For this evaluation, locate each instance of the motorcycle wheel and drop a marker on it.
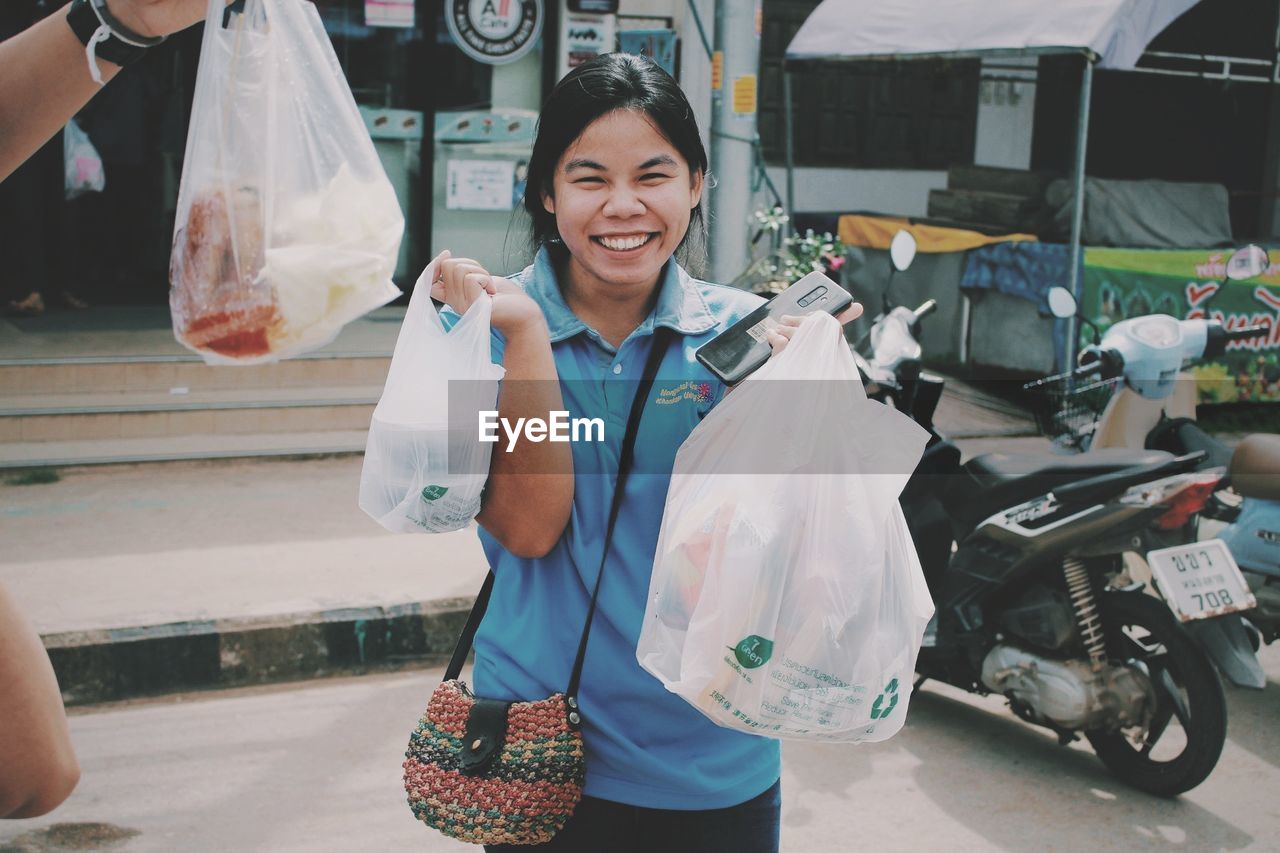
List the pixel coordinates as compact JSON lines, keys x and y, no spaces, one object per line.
{"x":1189,"y":724}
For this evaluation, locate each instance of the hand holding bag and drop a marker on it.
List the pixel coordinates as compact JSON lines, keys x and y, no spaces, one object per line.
{"x":493,"y":772}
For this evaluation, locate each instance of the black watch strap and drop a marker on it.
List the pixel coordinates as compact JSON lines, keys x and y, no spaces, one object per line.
{"x":88,"y":17}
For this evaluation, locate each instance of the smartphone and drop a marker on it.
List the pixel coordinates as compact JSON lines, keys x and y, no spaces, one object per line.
{"x":743,"y":348}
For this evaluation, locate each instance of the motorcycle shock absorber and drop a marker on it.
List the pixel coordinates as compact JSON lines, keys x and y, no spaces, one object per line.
{"x":1086,"y":607}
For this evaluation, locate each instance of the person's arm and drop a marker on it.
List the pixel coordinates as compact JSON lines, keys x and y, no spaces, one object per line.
{"x":38,"y":768}
{"x":529,"y":494}
{"x":44,"y":74}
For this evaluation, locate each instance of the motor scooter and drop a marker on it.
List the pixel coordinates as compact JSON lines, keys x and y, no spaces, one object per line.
{"x":1023,"y":555}
{"x":1129,"y":392}
{"x":892,"y":369}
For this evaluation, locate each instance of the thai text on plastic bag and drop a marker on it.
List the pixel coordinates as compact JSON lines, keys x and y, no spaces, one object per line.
{"x":287,"y":227}
{"x":786,"y":598}
{"x":83,"y":163}
{"x":419,"y":475}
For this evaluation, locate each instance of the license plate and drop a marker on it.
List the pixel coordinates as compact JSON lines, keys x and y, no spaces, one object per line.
{"x":1200,"y":580}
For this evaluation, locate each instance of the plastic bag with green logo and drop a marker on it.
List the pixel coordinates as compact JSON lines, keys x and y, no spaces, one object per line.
{"x":786,"y":598}
{"x":419,"y":475}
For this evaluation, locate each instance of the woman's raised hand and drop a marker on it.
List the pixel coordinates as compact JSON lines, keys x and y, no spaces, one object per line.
{"x":459,"y":282}
{"x":780,"y":335}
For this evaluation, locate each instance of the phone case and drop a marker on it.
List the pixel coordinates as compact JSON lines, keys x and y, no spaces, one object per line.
{"x":743,"y":348}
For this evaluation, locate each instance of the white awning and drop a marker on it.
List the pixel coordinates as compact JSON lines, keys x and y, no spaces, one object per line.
{"x":1116,"y":30}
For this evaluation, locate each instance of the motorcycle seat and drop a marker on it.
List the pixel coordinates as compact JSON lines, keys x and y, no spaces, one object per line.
{"x":992,"y":482}
{"x":1255,"y":467}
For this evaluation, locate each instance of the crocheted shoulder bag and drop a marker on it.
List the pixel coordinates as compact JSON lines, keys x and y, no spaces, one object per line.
{"x":494,"y":772}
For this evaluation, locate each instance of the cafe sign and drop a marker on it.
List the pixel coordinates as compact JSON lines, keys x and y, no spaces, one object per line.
{"x":494,"y":31}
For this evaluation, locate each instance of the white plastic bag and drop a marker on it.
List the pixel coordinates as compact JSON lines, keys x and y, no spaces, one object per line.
{"x":287,"y":227}
{"x":419,"y":475}
{"x":84,"y":172}
{"x":786,"y":598}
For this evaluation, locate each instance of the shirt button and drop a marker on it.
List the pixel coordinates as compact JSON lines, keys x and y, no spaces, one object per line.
{"x":617,"y":368}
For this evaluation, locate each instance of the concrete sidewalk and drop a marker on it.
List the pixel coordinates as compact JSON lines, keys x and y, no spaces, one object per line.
{"x":169,"y":576}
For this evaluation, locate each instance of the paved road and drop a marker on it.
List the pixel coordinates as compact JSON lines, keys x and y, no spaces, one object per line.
{"x":315,"y":767}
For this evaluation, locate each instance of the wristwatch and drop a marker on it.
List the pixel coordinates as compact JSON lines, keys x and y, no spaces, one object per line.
{"x":101,"y":32}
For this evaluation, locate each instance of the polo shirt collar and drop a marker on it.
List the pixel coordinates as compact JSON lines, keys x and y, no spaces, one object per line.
{"x":681,"y":305}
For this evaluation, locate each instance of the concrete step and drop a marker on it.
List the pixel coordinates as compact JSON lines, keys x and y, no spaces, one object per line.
{"x":160,"y":374}
{"x":88,"y":417}
{"x":54,"y":454}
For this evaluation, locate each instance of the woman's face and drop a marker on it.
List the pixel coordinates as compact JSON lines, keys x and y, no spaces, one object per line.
{"x":622,"y":200}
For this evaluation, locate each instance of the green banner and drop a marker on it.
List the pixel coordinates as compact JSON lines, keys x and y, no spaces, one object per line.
{"x":1123,"y":283}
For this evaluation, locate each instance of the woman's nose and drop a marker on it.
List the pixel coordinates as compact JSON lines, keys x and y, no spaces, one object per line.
{"x":623,"y":202}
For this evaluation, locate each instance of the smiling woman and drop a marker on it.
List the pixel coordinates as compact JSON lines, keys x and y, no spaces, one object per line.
{"x":615,"y":186}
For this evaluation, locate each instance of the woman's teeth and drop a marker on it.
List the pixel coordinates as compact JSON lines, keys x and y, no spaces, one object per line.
{"x":621,"y":244}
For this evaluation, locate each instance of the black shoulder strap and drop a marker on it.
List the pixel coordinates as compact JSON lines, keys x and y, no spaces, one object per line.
{"x":658,"y":348}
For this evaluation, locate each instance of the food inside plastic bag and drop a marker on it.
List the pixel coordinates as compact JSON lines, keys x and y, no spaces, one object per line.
{"x":786,"y":602}
{"x":287,"y":226}
{"x":214,"y":272}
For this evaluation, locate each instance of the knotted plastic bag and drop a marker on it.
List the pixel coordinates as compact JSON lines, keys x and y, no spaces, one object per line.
{"x":287,"y":227}
{"x":786,"y":598}
{"x":424,"y":465}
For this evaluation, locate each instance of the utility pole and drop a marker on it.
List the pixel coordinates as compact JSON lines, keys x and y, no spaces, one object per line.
{"x":735,"y":66}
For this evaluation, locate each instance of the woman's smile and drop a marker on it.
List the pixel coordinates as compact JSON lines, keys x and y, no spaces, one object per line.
{"x":624,"y":243}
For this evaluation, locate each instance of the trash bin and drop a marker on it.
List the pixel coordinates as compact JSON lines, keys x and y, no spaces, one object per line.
{"x":477,"y":208}
{"x":397,"y":137}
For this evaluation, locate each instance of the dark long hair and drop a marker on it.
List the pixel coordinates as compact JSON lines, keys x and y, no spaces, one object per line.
{"x":613,"y":81}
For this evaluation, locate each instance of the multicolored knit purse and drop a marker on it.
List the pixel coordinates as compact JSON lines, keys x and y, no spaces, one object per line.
{"x":492,"y":772}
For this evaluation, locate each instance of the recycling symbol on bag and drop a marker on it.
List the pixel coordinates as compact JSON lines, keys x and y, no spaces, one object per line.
{"x":891,"y":693}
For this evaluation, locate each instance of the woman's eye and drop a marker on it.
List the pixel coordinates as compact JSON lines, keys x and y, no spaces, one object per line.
{"x":654,"y":176}
{"x":591,"y":179}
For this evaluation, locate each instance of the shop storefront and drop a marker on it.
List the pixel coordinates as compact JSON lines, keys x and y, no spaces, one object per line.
{"x":449,"y":90}
{"x":404,"y":66}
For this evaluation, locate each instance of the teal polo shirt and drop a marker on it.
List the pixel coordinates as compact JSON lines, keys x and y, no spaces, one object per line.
{"x":645,"y":746}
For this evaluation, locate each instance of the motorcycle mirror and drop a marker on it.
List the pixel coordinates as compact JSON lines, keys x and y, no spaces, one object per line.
{"x":902,"y":251}
{"x":1061,"y":303}
{"x":1248,"y":262}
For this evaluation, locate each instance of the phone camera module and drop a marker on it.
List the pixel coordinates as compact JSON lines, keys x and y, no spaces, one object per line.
{"x":812,"y":296}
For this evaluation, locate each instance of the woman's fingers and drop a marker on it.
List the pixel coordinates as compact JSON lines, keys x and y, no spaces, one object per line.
{"x":475,"y":283}
{"x":850,"y":314}
{"x":462,"y":280}
{"x":505,"y":285}
{"x":437,"y":283}
{"x":780,"y":334}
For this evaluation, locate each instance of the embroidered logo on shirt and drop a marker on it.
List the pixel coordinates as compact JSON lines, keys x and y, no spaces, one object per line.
{"x":698,"y":392}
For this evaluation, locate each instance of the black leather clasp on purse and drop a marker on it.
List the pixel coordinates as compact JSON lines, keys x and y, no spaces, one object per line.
{"x":485,"y":736}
